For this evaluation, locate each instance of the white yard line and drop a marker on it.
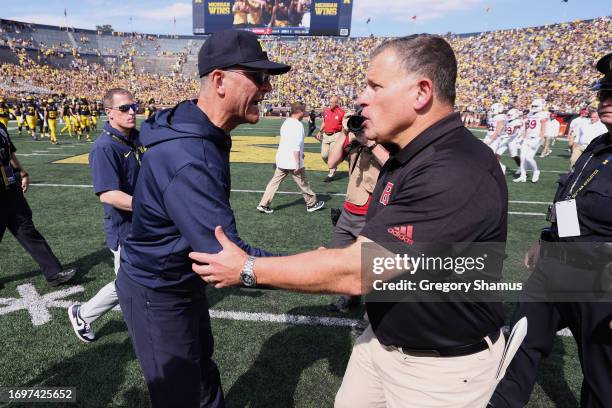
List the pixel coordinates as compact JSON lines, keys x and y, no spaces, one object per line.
{"x":290,"y":193}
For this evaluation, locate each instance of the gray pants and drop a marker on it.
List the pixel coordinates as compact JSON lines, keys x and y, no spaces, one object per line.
{"x":347,"y":229}
{"x":105,"y":299}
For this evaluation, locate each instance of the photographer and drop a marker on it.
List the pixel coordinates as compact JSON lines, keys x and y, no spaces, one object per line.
{"x":365,"y":158}
{"x":15,"y":214}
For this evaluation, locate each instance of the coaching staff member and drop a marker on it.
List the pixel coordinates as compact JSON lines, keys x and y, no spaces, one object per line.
{"x":590,"y":185}
{"x":181,"y":194}
{"x":16,"y":215}
{"x":442,"y":185}
{"x":114,"y":161}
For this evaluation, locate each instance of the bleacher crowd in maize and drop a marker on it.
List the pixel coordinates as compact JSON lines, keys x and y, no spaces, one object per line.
{"x":508,"y":66}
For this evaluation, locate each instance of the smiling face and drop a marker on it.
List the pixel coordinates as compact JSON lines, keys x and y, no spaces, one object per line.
{"x":389,"y":98}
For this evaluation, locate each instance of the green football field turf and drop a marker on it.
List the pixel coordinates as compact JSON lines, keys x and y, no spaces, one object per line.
{"x":269,"y":355}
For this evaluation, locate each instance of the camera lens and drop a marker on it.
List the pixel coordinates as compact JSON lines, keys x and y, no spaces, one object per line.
{"x":355,"y":123}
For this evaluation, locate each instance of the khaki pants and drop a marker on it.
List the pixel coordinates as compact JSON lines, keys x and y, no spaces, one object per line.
{"x":327,"y":142}
{"x":279,"y":175}
{"x":576,"y":153}
{"x":376,"y":377}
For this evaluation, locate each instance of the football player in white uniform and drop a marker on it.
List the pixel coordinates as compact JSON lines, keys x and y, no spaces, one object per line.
{"x":496,"y":122}
{"x":511,"y":140}
{"x":535,"y":126}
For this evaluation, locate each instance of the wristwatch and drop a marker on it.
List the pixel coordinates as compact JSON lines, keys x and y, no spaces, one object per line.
{"x":247,"y":276}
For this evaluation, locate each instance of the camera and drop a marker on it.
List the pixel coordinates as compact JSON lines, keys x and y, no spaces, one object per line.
{"x":355,"y":123}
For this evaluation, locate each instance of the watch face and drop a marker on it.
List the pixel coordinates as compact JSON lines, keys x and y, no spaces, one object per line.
{"x":247,"y":280}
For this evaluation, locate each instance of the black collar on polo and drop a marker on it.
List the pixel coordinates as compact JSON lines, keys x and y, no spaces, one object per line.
{"x":428,"y":136}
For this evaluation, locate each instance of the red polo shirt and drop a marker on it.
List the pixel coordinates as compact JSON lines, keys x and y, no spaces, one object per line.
{"x":332,"y":118}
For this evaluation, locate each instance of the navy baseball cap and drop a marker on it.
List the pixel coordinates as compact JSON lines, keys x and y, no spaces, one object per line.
{"x":604,"y":65}
{"x":228,"y":48}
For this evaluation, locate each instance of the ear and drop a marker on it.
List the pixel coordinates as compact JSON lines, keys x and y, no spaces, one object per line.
{"x":424,"y":93}
{"x":217,"y":80}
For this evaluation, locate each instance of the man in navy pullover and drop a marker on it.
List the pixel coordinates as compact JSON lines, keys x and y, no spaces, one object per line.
{"x":181,"y":194}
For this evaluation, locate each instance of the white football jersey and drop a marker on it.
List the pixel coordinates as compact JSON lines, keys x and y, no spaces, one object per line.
{"x":533,"y":124}
{"x":492,"y":123}
{"x":514,"y":128}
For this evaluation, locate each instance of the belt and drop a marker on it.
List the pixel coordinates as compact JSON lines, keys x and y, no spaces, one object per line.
{"x":455,"y":351}
{"x":573,"y":257}
{"x":329,"y":134}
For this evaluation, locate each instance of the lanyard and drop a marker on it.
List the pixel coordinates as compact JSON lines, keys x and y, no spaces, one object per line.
{"x":137,"y":150}
{"x":586,"y":182}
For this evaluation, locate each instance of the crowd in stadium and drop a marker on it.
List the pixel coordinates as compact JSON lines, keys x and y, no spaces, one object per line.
{"x":508,"y":66}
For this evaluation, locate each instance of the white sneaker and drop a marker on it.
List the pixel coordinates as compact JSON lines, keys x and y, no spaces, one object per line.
{"x":264,"y":209}
{"x":82,"y":329}
{"x":536,"y":176}
{"x":316,"y":206}
{"x":521,"y":179}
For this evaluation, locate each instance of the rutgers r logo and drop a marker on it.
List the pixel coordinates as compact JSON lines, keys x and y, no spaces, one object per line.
{"x":384,"y":197}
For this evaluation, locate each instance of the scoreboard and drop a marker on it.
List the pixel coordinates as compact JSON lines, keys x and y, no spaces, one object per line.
{"x":274,"y":17}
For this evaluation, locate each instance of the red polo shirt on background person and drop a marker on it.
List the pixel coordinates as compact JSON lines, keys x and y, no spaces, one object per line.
{"x":332,"y":119}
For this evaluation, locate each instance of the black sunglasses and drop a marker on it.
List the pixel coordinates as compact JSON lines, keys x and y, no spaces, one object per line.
{"x":259,"y":77}
{"x":126,"y":108}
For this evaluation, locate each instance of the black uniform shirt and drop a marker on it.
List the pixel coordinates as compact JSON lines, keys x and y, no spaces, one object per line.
{"x":444,"y":186}
{"x":594,"y":201}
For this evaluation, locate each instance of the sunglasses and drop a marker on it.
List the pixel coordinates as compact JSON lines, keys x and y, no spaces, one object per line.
{"x":126,"y":108}
{"x":259,"y":77}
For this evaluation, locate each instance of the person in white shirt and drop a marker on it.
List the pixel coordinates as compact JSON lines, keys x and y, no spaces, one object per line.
{"x":290,"y":160}
{"x":550,"y":134}
{"x":593,"y":128}
{"x":575,"y":133}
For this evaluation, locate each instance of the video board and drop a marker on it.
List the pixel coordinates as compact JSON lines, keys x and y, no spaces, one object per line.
{"x":274,"y":17}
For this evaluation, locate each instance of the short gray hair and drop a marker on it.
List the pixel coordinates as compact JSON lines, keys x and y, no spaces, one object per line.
{"x":428,"y":55}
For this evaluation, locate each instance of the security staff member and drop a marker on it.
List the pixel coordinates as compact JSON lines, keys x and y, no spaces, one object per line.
{"x":182,"y":192}
{"x":312,"y":118}
{"x":585,"y":194}
{"x":15,"y":214}
{"x":332,"y":129}
{"x":443,"y":185}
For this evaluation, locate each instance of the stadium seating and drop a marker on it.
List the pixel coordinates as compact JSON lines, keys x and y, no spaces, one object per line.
{"x":508,"y":66}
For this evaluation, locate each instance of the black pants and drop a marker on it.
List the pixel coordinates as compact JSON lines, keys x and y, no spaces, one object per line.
{"x":16,"y":215}
{"x":589,"y":323}
{"x":311,"y":128}
{"x":172,"y":338}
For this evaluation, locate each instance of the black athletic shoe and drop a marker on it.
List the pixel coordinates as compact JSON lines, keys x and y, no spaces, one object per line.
{"x":62,"y":277}
{"x":343,"y":304}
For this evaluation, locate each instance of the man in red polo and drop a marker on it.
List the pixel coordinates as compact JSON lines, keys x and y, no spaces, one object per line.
{"x":332,"y":129}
